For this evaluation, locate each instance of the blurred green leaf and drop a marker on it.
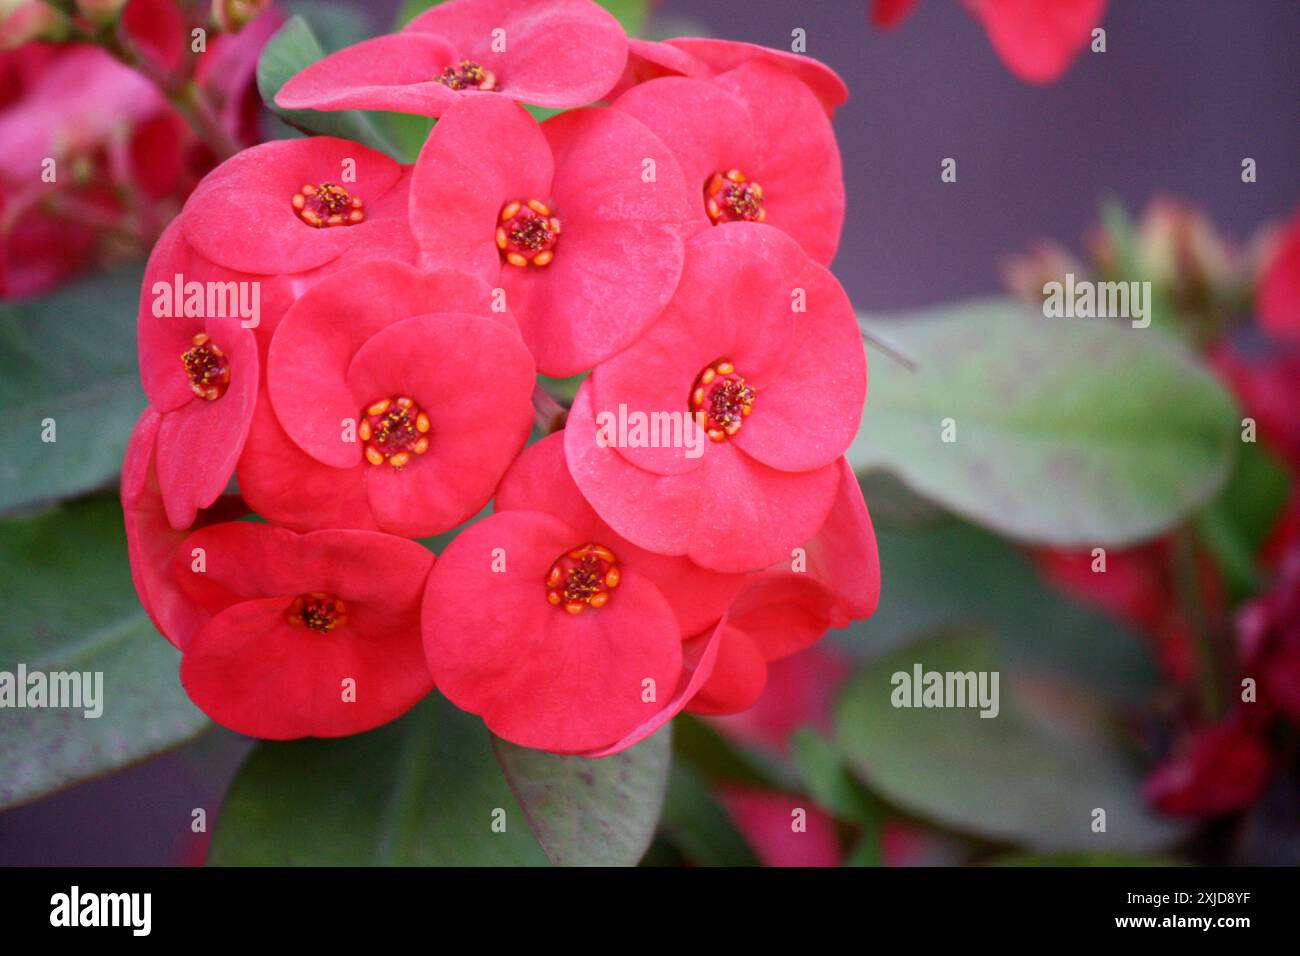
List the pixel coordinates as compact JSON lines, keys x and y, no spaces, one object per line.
{"x":591,"y":812}
{"x":421,"y":791}
{"x":957,"y":575}
{"x":69,"y":357}
{"x":826,"y":780}
{"x":1008,"y":778}
{"x":294,"y":47}
{"x":698,"y":826}
{"x":1069,"y":432}
{"x":1238,"y":522}
{"x":69,"y":606}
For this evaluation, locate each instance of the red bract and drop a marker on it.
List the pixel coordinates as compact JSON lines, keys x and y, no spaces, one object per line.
{"x":199,"y":367}
{"x":1279,"y":287}
{"x":296,"y":204}
{"x":782,"y":829}
{"x":560,"y":633}
{"x":787,"y":608}
{"x":770,"y":396}
{"x":704,"y":57}
{"x":755,"y":146}
{"x":397,"y":398}
{"x":314,"y":635}
{"x":1036,"y":39}
{"x":1269,"y":633}
{"x":561,"y":54}
{"x":1215,"y":770}
{"x":581,"y":220}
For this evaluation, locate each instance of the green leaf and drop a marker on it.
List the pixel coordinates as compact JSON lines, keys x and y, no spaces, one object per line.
{"x":69,"y":605}
{"x":958,"y":575}
{"x":1008,"y":778}
{"x":698,"y":826}
{"x":828,"y":783}
{"x":1238,"y":522}
{"x":1069,"y":432}
{"x":424,"y":790}
{"x":71,"y":358}
{"x":294,"y":47}
{"x":591,"y":812}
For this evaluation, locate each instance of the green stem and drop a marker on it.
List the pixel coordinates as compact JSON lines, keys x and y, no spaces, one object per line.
{"x":1207,"y":657}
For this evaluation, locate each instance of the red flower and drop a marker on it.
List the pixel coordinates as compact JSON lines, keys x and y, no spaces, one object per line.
{"x":755,"y":145}
{"x":779,"y":834}
{"x":800,"y":692}
{"x":296,"y":204}
{"x":731,"y":342}
{"x":561,"y":634}
{"x":561,"y":54}
{"x":1266,"y":380}
{"x":782,"y":611}
{"x":1036,"y":39}
{"x":397,"y":399}
{"x":200,"y":374}
{"x":1218,"y":769}
{"x":1279,"y":287}
{"x":704,"y":57}
{"x":581,"y":220}
{"x":314,"y":635}
{"x":1269,"y":631}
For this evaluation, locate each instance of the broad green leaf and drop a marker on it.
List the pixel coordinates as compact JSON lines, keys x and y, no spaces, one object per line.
{"x":69,"y":605}
{"x":1009,"y":778}
{"x":591,"y":812}
{"x":1238,"y":522}
{"x":698,"y":826}
{"x":294,"y":47}
{"x":68,"y":371}
{"x":424,"y":790}
{"x":825,"y":780}
{"x":955,"y":574}
{"x":1068,"y":432}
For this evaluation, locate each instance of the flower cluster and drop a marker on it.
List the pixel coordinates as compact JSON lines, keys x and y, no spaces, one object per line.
{"x":349,"y":348}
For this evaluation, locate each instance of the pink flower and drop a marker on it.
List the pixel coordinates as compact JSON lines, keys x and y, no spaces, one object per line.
{"x":297,"y":204}
{"x":1269,"y":632}
{"x":563,"y":53}
{"x":704,"y":57}
{"x":762,"y":343}
{"x":780,"y":834}
{"x":1215,"y":770}
{"x":314,"y":635}
{"x":395,"y":400}
{"x":560,"y":633}
{"x":755,"y":145}
{"x":581,"y":220}
{"x":1279,"y":287}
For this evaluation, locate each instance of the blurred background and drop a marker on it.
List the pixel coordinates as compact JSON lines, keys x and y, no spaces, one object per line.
{"x":1123,"y":686}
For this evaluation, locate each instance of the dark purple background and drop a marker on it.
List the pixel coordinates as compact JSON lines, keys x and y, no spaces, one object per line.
{"x":1183,"y":93}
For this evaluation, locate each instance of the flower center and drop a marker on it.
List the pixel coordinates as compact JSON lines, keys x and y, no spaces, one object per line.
{"x":318,"y":611}
{"x":327,"y":205}
{"x":582,"y":578}
{"x":207,"y":367}
{"x":724,"y":398}
{"x":393,"y":429}
{"x":467,"y":76}
{"x":527,"y":232}
{"x":733,"y":197}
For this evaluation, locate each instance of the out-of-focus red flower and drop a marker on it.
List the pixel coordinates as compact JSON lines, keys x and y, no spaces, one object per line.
{"x":1266,"y":381}
{"x":1036,"y":39}
{"x":800,"y":692}
{"x":156,"y":30}
{"x":314,"y":635}
{"x":1214,"y":770}
{"x":1278,"y":297}
{"x":1268,"y":630}
{"x":782,"y":829}
{"x":581,"y":220}
{"x":563,"y":53}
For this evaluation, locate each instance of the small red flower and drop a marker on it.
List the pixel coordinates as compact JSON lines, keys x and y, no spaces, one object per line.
{"x":755,"y":145}
{"x":296,"y":204}
{"x":560,"y":633}
{"x":1215,"y":770}
{"x":581,"y":220}
{"x":200,"y":370}
{"x":395,"y":400}
{"x":1269,"y":631}
{"x":770,"y":395}
{"x":561,"y":54}
{"x":314,"y":635}
{"x":705,"y":57}
{"x":1279,"y":288}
